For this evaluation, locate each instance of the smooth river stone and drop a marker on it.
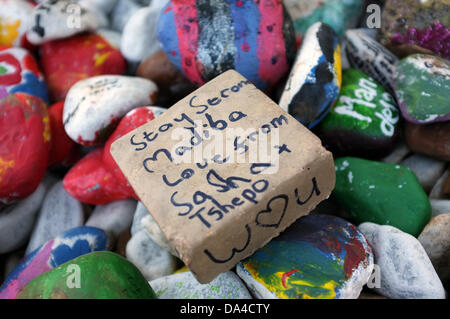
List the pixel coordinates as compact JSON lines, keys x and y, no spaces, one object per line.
{"x":435,"y":239}
{"x":103,"y":275}
{"x":59,"y":212}
{"x":405,"y":271}
{"x":69,"y":245}
{"x":422,"y":86}
{"x":59,"y":19}
{"x":94,"y":106}
{"x":184,"y":286}
{"x":442,"y":187}
{"x":427,"y":169}
{"x":139,"y":214}
{"x":19,"y":72}
{"x":206,"y":38}
{"x":15,"y":18}
{"x":17,"y":220}
{"x":363,"y":122}
{"x":154,"y":231}
{"x":25,"y":144}
{"x":315,"y":79}
{"x":318,"y":257}
{"x":369,"y":56}
{"x":439,"y":206}
{"x":382,"y":193}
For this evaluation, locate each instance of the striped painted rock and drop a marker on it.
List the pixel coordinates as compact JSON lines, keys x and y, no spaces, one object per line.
{"x":318,"y":257}
{"x":205,"y":38}
{"x":69,"y":245}
{"x":315,"y":79}
{"x":15,"y":18}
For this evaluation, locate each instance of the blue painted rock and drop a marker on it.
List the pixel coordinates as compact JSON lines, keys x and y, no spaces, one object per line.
{"x":19,"y":72}
{"x":315,"y":80}
{"x":205,"y":38}
{"x":69,"y":245}
{"x":363,"y":121}
{"x":422,"y":86}
{"x":15,"y":17}
{"x":319,"y":256}
{"x":369,"y":56}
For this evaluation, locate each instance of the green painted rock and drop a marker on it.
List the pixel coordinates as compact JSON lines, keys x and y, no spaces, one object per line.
{"x":363,"y":121}
{"x":381,"y":193}
{"x":422,"y":86}
{"x":102,"y":275}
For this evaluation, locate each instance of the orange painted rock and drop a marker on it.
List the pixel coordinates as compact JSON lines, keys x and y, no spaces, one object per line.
{"x":25,"y":143}
{"x":67,"y":61}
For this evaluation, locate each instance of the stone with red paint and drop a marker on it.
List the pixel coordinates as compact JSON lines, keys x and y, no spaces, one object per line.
{"x":66,"y":61}
{"x":25,"y":143}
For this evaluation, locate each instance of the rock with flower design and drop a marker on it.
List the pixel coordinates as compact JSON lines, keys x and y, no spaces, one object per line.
{"x":319,"y":256}
{"x":93,"y":107}
{"x":25,"y":143}
{"x":19,"y":72}
{"x":363,"y":122}
{"x":15,"y":18}
{"x":69,"y":245}
{"x":67,"y":61}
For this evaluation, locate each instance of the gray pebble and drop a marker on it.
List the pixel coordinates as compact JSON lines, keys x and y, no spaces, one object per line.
{"x":439,"y":206}
{"x":427,"y":169}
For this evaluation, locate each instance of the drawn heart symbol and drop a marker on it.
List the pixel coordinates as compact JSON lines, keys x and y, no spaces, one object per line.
{"x":269,"y":211}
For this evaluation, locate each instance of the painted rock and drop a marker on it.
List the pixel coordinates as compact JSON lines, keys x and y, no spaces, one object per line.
{"x":172,"y":84}
{"x":65,"y":62}
{"x":14,"y":22}
{"x":315,"y":79}
{"x":427,"y":170}
{"x":339,"y":15}
{"x":416,"y":26}
{"x":422,"y":83}
{"x":382,"y":193}
{"x":103,"y":275}
{"x":139,"y":37}
{"x":122,"y":12}
{"x":405,"y":271}
{"x":114,"y":217}
{"x":435,"y":239}
{"x":204,"y":39}
{"x":369,"y":56}
{"x":59,"y":19}
{"x":92,"y":182}
{"x":62,"y":146}
{"x":94,"y":106}
{"x":105,"y":6}
{"x":93,"y":9}
{"x":69,"y":245}
{"x":113,"y":37}
{"x":151,"y":259}
{"x":363,"y":122}
{"x":318,"y":257}
{"x":432,"y":140}
{"x":19,"y":72}
{"x":59,"y":213}
{"x":184,"y":286}
{"x":17,"y":220}
{"x":25,"y":143}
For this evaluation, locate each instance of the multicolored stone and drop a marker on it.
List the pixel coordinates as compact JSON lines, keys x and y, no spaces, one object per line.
{"x":318,"y":257}
{"x":25,"y":143}
{"x":205,"y":38}
{"x":315,"y":80}
{"x":15,"y":18}
{"x":103,"y":275}
{"x":381,"y":193}
{"x":363,"y":121}
{"x":69,"y":245}
{"x":422,"y":86}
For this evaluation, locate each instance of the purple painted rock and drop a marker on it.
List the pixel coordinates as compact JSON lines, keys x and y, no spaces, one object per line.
{"x":69,"y":245}
{"x":205,"y":38}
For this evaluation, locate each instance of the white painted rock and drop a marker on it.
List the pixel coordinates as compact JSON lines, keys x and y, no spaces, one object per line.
{"x":139,"y":38}
{"x":17,"y":220}
{"x":406,"y":272}
{"x":59,"y":212}
{"x":113,"y":37}
{"x":184,"y":286}
{"x":53,"y":20}
{"x":152,"y":227}
{"x":151,"y":259}
{"x":122,"y":12}
{"x":427,"y":169}
{"x":439,"y":206}
{"x":437,"y":190}
{"x":94,"y":106}
{"x":105,"y":6}
{"x":15,"y":18}
{"x":98,"y":12}
{"x":435,"y":238}
{"x":139,"y":213}
{"x":114,"y":217}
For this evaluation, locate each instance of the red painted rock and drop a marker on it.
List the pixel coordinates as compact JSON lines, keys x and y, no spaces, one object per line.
{"x":62,"y":145}
{"x":67,"y":61}
{"x":24,"y":145}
